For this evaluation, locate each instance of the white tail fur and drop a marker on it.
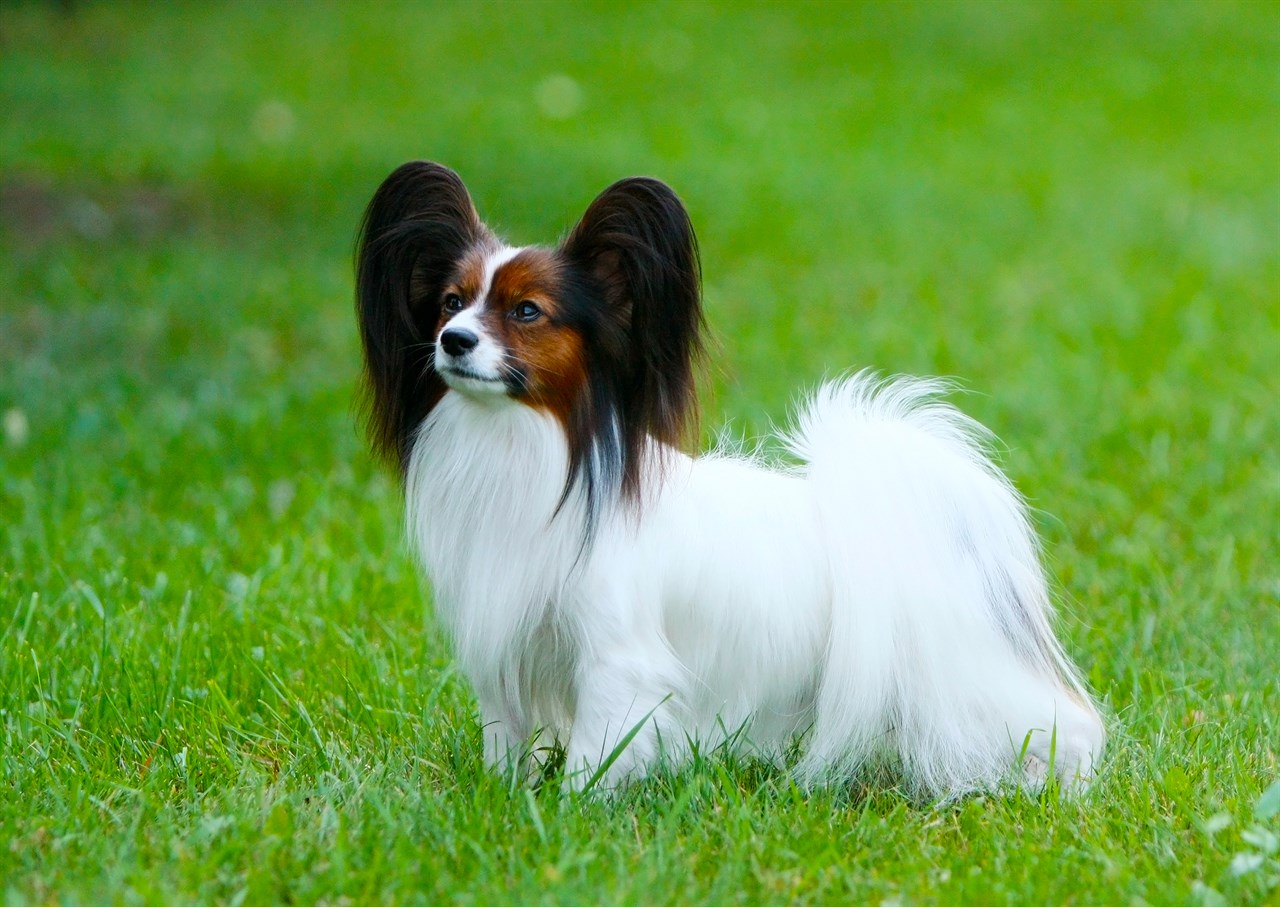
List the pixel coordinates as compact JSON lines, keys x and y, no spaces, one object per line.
{"x":941,"y":656}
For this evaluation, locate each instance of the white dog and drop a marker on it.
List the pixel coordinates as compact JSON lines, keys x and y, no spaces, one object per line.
{"x":882,"y":603}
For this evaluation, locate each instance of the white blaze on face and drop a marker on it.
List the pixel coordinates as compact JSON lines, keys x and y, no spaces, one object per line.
{"x":491,"y":265}
{"x":479,"y":369}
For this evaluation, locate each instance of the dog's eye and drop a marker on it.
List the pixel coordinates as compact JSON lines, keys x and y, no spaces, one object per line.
{"x":527,"y":311}
{"x":453,"y":303}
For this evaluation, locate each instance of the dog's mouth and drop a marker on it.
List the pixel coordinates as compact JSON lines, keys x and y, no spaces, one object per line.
{"x":456,"y":371}
{"x":461,"y":378}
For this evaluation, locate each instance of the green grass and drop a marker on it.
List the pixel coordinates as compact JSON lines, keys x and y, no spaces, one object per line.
{"x":219,"y":677}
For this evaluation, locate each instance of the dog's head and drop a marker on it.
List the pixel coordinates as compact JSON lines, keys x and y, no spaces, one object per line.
{"x":602,"y":331}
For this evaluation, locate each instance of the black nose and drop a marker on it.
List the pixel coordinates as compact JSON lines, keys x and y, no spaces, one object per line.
{"x":457,"y":341}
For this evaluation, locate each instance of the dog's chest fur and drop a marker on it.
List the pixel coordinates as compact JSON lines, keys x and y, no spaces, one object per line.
{"x":483,"y":487}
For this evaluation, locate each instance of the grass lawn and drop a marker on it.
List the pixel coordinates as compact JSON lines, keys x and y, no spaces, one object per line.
{"x":220,"y":680}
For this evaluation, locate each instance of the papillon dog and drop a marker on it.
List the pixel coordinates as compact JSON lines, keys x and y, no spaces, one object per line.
{"x":880,"y":604}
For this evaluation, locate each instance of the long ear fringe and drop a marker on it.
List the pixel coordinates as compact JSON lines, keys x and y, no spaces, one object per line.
{"x":419,"y":222}
{"x":638,"y":243}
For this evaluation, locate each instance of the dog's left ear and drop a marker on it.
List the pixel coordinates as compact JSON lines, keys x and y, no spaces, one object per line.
{"x":638,"y":243}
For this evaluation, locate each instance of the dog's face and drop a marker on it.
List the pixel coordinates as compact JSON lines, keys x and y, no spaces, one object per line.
{"x":508,"y":330}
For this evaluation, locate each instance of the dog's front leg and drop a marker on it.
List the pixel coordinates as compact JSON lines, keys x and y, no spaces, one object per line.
{"x":627,"y":718}
{"x":504,"y":740}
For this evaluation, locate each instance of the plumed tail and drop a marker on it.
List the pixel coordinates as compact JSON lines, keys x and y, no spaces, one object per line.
{"x":942,"y":656}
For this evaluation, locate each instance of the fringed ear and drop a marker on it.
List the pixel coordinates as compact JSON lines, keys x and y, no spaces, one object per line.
{"x":419,"y":223}
{"x":636,"y":241}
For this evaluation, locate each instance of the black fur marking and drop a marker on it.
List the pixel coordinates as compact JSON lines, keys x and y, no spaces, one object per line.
{"x":634,"y":256}
{"x":419,"y":223}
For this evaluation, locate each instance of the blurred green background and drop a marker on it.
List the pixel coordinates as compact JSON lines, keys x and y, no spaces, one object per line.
{"x":209,"y":622}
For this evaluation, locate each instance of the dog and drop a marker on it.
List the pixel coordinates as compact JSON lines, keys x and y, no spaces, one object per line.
{"x":882,"y":605}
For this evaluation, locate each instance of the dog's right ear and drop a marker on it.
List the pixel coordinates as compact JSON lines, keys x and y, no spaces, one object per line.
{"x":419,"y":224}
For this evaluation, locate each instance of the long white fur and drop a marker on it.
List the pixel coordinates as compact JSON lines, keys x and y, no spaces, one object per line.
{"x":884,"y":601}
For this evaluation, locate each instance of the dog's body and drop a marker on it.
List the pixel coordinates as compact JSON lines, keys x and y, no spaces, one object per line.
{"x":882,"y":602}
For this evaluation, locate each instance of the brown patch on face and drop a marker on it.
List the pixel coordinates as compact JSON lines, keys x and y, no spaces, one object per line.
{"x":547,"y":352}
{"x":466,"y":282}
{"x":470,"y":281}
